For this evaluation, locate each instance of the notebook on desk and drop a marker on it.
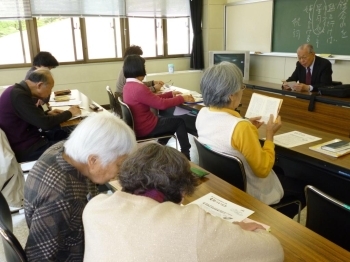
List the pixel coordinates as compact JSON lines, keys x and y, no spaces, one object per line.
{"x":318,"y":148}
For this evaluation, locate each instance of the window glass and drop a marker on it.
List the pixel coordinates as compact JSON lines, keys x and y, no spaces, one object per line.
{"x":179,"y":35}
{"x":142,"y":33}
{"x":103,"y":37}
{"x":61,"y":37}
{"x":14,"y":47}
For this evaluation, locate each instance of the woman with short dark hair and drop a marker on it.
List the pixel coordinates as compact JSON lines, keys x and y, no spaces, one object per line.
{"x":43,"y":60}
{"x":140,"y":100}
{"x":145,"y":221}
{"x":153,"y":85}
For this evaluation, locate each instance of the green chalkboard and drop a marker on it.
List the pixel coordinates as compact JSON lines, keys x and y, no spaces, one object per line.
{"x":323,"y":23}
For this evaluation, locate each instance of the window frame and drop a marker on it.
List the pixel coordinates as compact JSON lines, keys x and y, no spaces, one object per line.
{"x":34,"y":46}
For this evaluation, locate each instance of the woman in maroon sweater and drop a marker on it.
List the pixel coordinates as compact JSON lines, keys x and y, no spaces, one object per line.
{"x":140,"y":100}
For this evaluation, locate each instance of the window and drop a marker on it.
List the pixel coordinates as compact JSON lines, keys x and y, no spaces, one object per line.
{"x":103,"y":37}
{"x":61,"y":37}
{"x":179,"y":36}
{"x":142,"y":32}
{"x":14,"y":44}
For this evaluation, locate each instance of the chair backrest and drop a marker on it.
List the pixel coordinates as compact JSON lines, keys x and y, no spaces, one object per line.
{"x":227,"y":167}
{"x":113,"y":102}
{"x":328,"y":217}
{"x":126,"y":113}
{"x":11,"y":175}
{"x":13,"y":249}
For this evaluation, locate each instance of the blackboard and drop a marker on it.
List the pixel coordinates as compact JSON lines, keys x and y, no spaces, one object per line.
{"x":323,"y":23}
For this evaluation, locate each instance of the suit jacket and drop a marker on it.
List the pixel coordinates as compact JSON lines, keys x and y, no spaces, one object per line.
{"x":321,"y":73}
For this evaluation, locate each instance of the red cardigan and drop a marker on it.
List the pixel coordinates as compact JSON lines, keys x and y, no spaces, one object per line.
{"x":140,"y":99}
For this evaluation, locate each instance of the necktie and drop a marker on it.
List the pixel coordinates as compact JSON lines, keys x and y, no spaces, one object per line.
{"x":308,"y":77}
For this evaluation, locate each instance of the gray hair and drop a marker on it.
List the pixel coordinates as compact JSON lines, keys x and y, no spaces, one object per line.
{"x":103,"y":135}
{"x":309,"y":47}
{"x":163,"y":168}
{"x":219,"y":82}
{"x":40,"y":75}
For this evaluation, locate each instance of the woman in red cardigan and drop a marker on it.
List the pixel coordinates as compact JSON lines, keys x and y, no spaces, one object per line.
{"x":140,"y":100}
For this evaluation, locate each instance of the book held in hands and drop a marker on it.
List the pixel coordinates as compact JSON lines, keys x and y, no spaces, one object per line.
{"x":264,"y":106}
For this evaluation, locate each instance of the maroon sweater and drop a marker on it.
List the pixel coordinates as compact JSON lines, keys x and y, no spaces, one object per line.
{"x":20,"y":118}
{"x":140,"y":100}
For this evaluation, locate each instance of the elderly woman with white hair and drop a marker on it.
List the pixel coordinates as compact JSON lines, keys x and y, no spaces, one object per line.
{"x":145,"y":221}
{"x":222,"y":88}
{"x":64,"y":179}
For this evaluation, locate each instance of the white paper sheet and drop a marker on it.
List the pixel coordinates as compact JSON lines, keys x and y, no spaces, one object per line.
{"x":294,"y":138}
{"x":179,"y":111}
{"x":220,"y":207}
{"x":66,"y":103}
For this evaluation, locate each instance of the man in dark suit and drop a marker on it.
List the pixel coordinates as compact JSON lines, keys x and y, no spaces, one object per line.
{"x":311,"y":71}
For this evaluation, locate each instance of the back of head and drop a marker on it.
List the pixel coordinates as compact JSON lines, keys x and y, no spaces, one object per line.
{"x":134,"y":66}
{"x":45,"y":59}
{"x":219,"y":82}
{"x":158,"y":167}
{"x":103,"y":135}
{"x":133,"y":50}
{"x":40,"y":75}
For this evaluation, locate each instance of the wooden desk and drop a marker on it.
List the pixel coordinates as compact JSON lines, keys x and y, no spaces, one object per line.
{"x":85,"y":102}
{"x":276,"y":88}
{"x":332,"y":175}
{"x":299,"y":243}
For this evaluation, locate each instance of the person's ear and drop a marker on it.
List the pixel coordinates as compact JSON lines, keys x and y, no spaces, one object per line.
{"x":40,"y":86}
{"x":92,"y":161}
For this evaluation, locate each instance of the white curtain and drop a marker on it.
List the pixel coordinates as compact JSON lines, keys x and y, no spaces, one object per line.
{"x":121,"y":8}
{"x":158,"y":8}
{"x":15,"y":9}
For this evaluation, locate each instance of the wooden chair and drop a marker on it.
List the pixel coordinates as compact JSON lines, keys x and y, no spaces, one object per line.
{"x":129,"y":120}
{"x":12,"y":247}
{"x":328,"y":216}
{"x":231,"y":169}
{"x":113,"y":102}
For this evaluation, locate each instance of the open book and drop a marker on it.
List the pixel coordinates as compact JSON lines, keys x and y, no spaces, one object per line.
{"x":261,"y":105}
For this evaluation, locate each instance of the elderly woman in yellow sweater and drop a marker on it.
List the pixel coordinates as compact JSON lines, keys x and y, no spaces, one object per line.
{"x":222,"y":88}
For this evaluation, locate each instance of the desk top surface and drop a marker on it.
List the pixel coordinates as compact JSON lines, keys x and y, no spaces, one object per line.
{"x":299,"y":243}
{"x":85,"y":103}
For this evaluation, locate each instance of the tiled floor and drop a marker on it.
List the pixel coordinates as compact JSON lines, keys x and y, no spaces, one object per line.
{"x":20,"y":226}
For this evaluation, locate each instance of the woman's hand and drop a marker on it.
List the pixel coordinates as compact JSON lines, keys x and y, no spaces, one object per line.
{"x":272,"y":127}
{"x":251,"y":226}
{"x":175,"y":93}
{"x":188,"y":98}
{"x":255,"y":121}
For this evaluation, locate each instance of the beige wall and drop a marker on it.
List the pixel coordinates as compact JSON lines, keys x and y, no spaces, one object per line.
{"x":92,"y":79}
